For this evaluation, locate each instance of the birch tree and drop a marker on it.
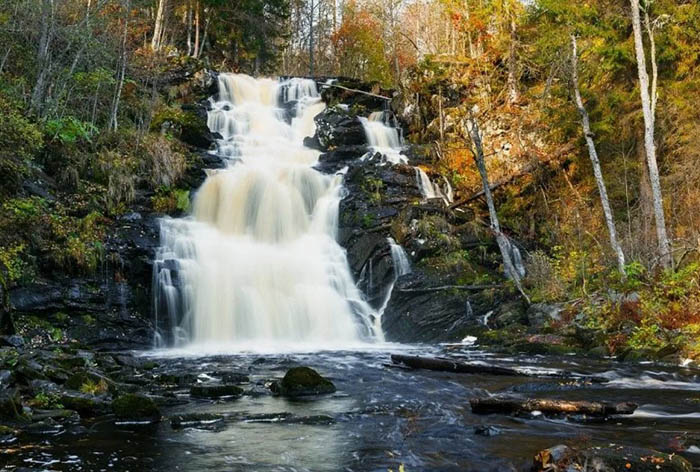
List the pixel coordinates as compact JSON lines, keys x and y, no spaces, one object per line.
{"x":649,"y":144}
{"x":595,"y":162}
{"x":504,"y":244}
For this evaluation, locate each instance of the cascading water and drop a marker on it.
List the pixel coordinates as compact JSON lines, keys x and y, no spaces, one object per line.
{"x":382,"y":138}
{"x":401,"y":267}
{"x":257,"y":263}
{"x":386,"y":140}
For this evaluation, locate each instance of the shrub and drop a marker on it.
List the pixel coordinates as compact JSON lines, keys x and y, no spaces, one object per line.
{"x":164,"y":162}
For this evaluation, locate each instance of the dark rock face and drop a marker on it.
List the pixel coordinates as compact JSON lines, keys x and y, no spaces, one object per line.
{"x":385,"y":201}
{"x":336,"y":127}
{"x":302,"y":381}
{"x":418,"y":312}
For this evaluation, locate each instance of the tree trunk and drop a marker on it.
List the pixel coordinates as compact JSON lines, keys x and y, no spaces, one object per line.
{"x":204,"y":36}
{"x":513,"y":94}
{"x":595,"y":162}
{"x":158,"y":27}
{"x":311,"y":40}
{"x":503,"y":244}
{"x":188,"y":19}
{"x":446,"y":365}
{"x":649,"y":144}
{"x":195,"y":52}
{"x":113,"y":122}
{"x":43,"y":55}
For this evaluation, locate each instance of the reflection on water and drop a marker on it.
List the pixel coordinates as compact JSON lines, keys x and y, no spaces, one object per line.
{"x":381,"y":417}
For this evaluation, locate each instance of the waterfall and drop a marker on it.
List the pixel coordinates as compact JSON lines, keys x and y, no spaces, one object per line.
{"x":257,"y":262}
{"x":431,"y":190}
{"x":401,"y":265}
{"x":383,"y":138}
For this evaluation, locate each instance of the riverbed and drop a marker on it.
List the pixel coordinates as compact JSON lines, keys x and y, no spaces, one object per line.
{"x":381,"y":417}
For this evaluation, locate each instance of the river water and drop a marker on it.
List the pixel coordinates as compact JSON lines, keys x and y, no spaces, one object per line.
{"x":380,"y":417}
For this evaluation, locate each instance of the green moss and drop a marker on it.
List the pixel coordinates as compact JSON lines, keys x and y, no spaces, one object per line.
{"x":302,"y":381}
{"x":134,"y":406}
{"x":47,"y":401}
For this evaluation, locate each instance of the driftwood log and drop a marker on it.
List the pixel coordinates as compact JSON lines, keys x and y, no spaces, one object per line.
{"x":484,"y":406}
{"x":445,"y":365}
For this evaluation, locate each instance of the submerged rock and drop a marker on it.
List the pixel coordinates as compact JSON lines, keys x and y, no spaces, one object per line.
{"x":302,"y":381}
{"x":135,"y":407}
{"x":195,"y":420}
{"x":215,"y":391}
{"x":609,"y":459}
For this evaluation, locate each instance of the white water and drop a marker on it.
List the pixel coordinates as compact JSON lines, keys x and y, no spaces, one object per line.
{"x":382,"y":138}
{"x":385,"y":139}
{"x":401,"y":267}
{"x":257,"y":264}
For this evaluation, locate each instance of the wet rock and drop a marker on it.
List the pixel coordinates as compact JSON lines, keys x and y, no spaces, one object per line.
{"x":11,"y":406}
{"x":90,"y":380}
{"x":337,"y":127}
{"x":85,"y":404}
{"x":60,"y":415}
{"x":302,"y":381}
{"x":135,"y":407}
{"x":7,"y":435}
{"x":43,"y":386}
{"x":5,"y":379}
{"x":418,"y":313}
{"x":178,"y":379}
{"x":215,"y":391}
{"x":12,"y":341}
{"x":486,"y":430}
{"x":541,"y":315}
{"x":232,"y":377}
{"x":195,"y":420}
{"x":609,"y":459}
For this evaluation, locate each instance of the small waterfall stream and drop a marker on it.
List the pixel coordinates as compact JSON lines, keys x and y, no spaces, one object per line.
{"x":257,"y":263}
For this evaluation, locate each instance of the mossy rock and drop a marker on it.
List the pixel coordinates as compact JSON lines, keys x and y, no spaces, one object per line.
{"x":86,"y":405}
{"x":303,"y":381}
{"x":90,"y":382}
{"x":11,"y":406}
{"x":135,"y":407}
{"x":215,"y":391}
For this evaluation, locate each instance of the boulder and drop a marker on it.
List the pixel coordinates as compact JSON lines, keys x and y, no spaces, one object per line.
{"x":337,"y":127}
{"x":85,"y":404}
{"x":135,"y":407}
{"x":541,"y":315}
{"x":11,"y":406}
{"x":611,"y":458}
{"x":302,"y":381}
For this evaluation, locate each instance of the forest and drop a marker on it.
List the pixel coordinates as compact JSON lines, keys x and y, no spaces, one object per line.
{"x":562,"y":140}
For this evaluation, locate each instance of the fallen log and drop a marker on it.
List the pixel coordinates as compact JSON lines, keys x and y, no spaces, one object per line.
{"x":485,"y":406}
{"x":445,"y":365}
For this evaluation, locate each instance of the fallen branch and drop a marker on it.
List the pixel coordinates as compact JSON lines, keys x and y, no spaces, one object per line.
{"x":358,"y":91}
{"x":449,"y":287}
{"x":445,"y":365}
{"x":484,"y":406}
{"x":528,"y":168}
